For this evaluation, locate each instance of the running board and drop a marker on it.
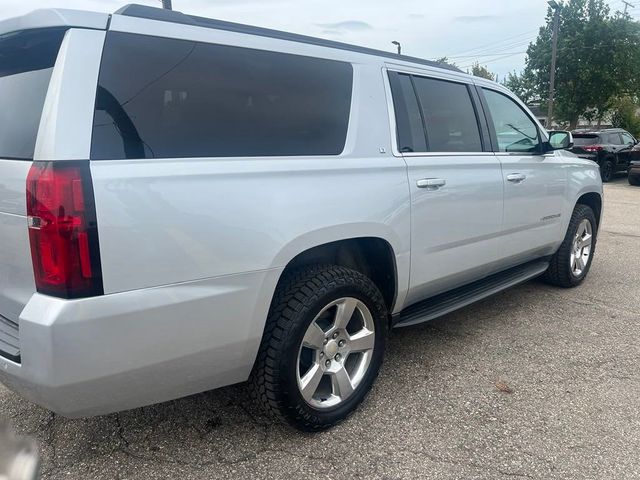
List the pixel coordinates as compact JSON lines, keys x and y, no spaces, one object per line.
{"x":448,"y":302}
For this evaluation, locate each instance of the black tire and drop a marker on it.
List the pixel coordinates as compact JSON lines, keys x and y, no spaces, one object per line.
{"x":634,"y":180}
{"x":560,"y":272}
{"x":300,"y":296}
{"x":607,"y":170}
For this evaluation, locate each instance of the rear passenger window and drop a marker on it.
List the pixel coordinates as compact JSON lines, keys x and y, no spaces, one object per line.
{"x":165,"y":98}
{"x":449,"y":116}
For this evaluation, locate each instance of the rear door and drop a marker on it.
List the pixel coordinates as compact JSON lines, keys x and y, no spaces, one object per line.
{"x":26,"y":64}
{"x":534,"y":183}
{"x":455,"y":185}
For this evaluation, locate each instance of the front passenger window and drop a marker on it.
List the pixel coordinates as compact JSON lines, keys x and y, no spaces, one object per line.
{"x":614,"y":139}
{"x":515,"y":130}
{"x":627,"y":139}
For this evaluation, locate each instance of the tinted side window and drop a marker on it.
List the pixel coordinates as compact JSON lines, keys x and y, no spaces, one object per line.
{"x":410,"y":128}
{"x":163,"y":98}
{"x":515,"y":130}
{"x":627,"y":139}
{"x":449,"y":116}
{"x":614,"y":139}
{"x":26,"y":63}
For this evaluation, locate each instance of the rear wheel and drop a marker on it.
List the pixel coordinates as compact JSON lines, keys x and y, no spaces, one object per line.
{"x":571,"y":263}
{"x":607,"y":170}
{"x":323,"y":347}
{"x":634,"y":180}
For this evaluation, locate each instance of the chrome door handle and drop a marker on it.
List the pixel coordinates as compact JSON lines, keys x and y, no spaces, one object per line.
{"x":516,"y":178}
{"x":431,"y":183}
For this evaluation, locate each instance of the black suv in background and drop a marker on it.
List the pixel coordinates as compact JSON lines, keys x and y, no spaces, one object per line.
{"x":612,"y":149}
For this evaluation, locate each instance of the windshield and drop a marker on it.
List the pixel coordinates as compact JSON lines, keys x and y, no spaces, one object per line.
{"x":26,"y":63}
{"x":585,"y":140}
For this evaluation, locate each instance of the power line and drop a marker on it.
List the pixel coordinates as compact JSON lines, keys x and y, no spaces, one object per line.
{"x":492,"y":54}
{"x":493,"y":44}
{"x":511,"y":54}
{"x":496,"y":50}
{"x":486,"y":62}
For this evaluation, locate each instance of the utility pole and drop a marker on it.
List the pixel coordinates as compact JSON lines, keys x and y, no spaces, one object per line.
{"x":167,"y":4}
{"x":627,"y":5}
{"x":397,"y":44}
{"x":554,"y":54}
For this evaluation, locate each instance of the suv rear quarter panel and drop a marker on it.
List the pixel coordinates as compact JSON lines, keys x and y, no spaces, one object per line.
{"x":165,"y":221}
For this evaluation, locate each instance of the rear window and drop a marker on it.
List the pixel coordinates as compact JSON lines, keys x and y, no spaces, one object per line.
{"x":26,"y":62}
{"x":449,"y":116}
{"x":433,"y":115}
{"x":584,"y":140}
{"x":166,"y":98}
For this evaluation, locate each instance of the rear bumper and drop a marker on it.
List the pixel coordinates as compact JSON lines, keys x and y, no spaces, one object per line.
{"x":116,"y":352}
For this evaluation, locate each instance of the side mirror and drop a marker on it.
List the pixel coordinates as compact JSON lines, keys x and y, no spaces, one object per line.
{"x":560,"y":140}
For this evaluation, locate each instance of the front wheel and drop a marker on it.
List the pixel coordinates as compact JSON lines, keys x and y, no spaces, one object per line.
{"x":634,"y":180}
{"x":322,"y":348}
{"x":571,"y":263}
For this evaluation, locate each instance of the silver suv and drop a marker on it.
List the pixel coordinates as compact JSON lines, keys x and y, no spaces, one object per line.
{"x":188,"y":203}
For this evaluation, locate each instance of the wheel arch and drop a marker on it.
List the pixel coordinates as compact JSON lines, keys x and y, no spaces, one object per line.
{"x":592,"y":200}
{"x":372,"y":256}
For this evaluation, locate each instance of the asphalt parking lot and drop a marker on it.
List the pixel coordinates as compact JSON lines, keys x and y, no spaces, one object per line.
{"x":536,"y":382}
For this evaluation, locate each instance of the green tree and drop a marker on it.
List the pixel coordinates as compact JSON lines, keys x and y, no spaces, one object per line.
{"x":625,"y":115}
{"x":482,"y":71}
{"x":598,"y":56}
{"x":446,"y":61}
{"x":523,"y":85}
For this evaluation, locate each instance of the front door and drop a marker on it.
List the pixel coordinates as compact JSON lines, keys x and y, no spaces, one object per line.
{"x":626,"y":152}
{"x":534,"y":183}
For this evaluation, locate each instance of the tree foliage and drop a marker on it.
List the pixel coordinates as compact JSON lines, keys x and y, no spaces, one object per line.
{"x":446,"y":61}
{"x":625,"y":115}
{"x":482,"y":71}
{"x":598,"y":60}
{"x":523,"y":85}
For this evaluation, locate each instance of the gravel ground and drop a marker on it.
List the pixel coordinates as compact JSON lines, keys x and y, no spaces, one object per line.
{"x":536,"y":382}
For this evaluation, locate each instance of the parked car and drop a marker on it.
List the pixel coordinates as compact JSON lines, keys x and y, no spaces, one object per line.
{"x":188,"y":203}
{"x":610,"y":148}
{"x":634,"y":173}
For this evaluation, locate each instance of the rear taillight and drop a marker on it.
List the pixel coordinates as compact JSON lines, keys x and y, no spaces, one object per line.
{"x":593,"y":148}
{"x":62,"y":229}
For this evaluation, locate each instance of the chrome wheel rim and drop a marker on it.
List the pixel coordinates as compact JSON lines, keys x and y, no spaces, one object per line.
{"x":582,"y":247}
{"x":335,"y":353}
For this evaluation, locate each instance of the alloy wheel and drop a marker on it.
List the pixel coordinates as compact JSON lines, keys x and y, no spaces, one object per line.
{"x":582,"y":248}
{"x":335,"y":353}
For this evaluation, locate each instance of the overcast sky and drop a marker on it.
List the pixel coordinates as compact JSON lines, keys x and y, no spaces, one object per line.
{"x":495,"y":32}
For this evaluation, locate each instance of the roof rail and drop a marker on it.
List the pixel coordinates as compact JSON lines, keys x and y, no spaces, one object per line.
{"x":152,"y":13}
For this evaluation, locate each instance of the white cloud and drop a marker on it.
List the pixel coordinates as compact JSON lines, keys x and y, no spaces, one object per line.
{"x":425,"y":29}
